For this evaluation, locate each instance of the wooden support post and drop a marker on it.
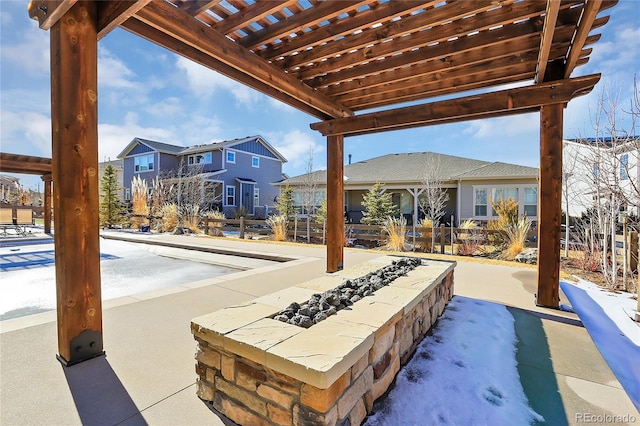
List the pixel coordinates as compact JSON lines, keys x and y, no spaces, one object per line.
{"x":443,"y":238}
{"x":242,"y":227}
{"x":550,"y":208}
{"x":74,"y":121}
{"x":633,"y":251}
{"x":335,"y":203}
{"x":47,"y":203}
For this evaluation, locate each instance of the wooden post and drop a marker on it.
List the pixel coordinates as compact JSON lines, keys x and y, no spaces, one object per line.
{"x":335,"y":203}
{"x":443,"y":238}
{"x":633,"y":251}
{"x":47,"y":203}
{"x":550,"y":209}
{"x":242,"y":227}
{"x":74,"y":121}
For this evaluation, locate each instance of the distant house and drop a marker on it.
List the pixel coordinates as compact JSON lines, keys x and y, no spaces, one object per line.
{"x":118,"y":166}
{"x":471,"y":185}
{"x":235,"y":174}
{"x":593,"y":167}
{"x":9,"y":188}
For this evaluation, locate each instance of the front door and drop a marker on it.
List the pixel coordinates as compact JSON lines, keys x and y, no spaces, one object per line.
{"x":246,"y":196}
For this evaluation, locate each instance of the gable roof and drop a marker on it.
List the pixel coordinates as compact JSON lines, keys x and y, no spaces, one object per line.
{"x":162,"y":147}
{"x":166,"y":148}
{"x":231,"y":143}
{"x":410,"y":167}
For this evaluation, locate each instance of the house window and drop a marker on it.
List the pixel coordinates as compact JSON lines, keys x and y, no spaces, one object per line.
{"x":255,"y":161}
{"x":143,"y":163}
{"x":480,"y":202}
{"x":503,"y":194}
{"x":231,"y":196}
{"x":256,"y":196}
{"x":204,"y":158}
{"x":624,"y":163}
{"x":231,"y":157}
{"x":531,"y":202}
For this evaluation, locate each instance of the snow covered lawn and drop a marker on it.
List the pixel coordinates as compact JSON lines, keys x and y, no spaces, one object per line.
{"x":465,"y":373}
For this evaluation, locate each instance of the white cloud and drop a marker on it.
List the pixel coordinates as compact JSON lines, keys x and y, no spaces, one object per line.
{"x":499,"y":128}
{"x":204,"y":82}
{"x":114,"y":138}
{"x":31,"y":53}
{"x":169,"y":107}
{"x":114,"y":73}
{"x":26,"y":133}
{"x":295,"y":146}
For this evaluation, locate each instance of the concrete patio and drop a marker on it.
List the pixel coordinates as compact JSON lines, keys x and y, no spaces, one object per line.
{"x":148,"y":374}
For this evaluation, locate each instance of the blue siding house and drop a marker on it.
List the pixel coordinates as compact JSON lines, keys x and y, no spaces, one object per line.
{"x":236,"y":174}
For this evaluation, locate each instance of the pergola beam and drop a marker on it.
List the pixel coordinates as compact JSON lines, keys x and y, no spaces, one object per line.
{"x":49,"y":12}
{"x":113,"y":13}
{"x":16,"y":163}
{"x":152,"y":34}
{"x":546,"y":40}
{"x":585,"y":23}
{"x":494,"y":104}
{"x":181,"y":26}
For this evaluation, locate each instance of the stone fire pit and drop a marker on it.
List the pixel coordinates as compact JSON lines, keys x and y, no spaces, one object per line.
{"x":256,"y":369}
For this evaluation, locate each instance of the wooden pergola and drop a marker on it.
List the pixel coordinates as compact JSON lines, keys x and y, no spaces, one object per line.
{"x":30,"y":165}
{"x":332,"y":60}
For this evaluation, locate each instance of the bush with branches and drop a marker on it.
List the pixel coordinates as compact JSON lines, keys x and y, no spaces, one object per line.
{"x":378,"y":206}
{"x":396,"y":230}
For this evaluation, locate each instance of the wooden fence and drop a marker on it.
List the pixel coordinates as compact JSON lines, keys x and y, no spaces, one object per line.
{"x":354,"y":232}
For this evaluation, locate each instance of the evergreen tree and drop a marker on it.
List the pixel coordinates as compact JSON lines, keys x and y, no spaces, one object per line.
{"x":285,"y":203}
{"x":111,"y":209}
{"x":378,"y":206}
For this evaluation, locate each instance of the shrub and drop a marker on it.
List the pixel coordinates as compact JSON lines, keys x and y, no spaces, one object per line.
{"x":425,"y":228}
{"x":278,"y":225}
{"x":285,"y":203}
{"x":507,"y":214}
{"x":396,"y":229}
{"x":169,"y":217}
{"x":189,"y":216}
{"x":139,"y":202}
{"x":516,"y":237}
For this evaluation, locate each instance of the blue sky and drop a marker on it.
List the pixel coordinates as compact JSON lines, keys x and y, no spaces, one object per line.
{"x":146,"y":91}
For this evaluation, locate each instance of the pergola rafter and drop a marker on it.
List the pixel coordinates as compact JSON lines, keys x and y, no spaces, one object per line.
{"x":334,"y":60}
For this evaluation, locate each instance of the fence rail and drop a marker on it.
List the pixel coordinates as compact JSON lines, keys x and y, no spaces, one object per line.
{"x":296,"y":229}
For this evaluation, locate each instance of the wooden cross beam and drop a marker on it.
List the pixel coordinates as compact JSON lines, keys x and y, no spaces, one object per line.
{"x":494,"y":104}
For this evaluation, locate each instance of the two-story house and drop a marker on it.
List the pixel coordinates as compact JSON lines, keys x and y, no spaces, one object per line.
{"x":599,"y":167}
{"x":235,"y":174}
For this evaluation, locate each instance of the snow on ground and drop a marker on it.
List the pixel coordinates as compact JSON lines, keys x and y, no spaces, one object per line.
{"x":619,"y":307}
{"x":463,"y":374}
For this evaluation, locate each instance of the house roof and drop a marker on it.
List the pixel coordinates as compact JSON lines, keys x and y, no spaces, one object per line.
{"x":231,"y":143}
{"x":181,"y":150}
{"x":411,"y":167}
{"x":162,"y":147}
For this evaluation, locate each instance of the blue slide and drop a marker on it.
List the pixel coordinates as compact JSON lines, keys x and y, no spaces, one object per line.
{"x":622,"y":354}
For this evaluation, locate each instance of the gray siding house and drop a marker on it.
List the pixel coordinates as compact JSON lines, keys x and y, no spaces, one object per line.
{"x":236,"y":174}
{"x":471,"y":184}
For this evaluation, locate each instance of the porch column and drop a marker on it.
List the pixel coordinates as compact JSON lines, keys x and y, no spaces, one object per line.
{"x":335,"y":203}
{"x":47,"y":203}
{"x":74,"y":115}
{"x":550,"y":208}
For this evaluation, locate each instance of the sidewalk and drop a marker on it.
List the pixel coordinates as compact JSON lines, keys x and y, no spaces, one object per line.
{"x":148,"y":374}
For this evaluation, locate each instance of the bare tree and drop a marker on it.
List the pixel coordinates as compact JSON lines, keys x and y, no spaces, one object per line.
{"x":434,"y":197}
{"x":610,"y":159}
{"x":309,"y":192}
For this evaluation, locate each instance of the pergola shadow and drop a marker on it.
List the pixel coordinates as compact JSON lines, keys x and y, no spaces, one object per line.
{"x":99,"y":395}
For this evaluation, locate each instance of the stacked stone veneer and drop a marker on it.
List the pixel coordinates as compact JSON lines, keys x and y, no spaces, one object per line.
{"x":257,"y":370}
